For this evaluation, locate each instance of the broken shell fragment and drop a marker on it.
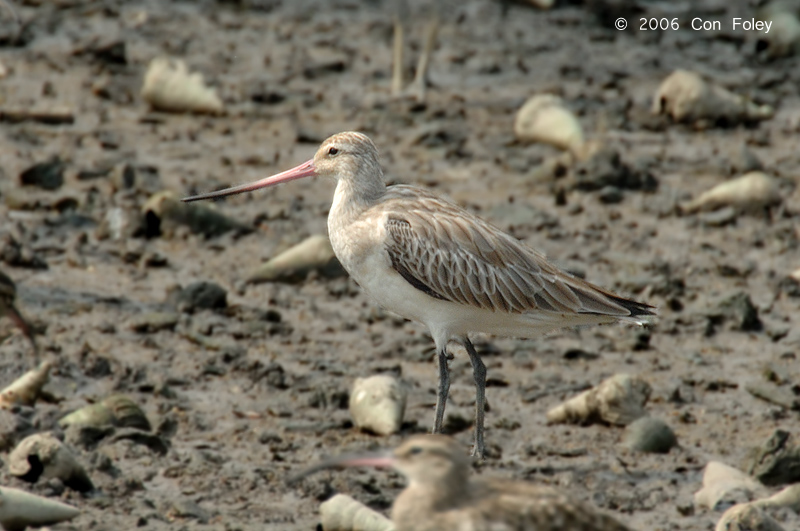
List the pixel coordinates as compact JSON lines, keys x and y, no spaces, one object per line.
{"x":788,"y":497}
{"x":687,"y":97}
{"x":618,"y":400}
{"x":41,"y":455}
{"x":20,"y":509}
{"x":721,"y":482}
{"x":294,"y":264}
{"x":343,"y":513}
{"x":543,"y":118}
{"x":116,"y":410}
{"x":164,"y":212}
{"x":25,"y":389}
{"x":750,"y":192}
{"x":747,"y":517}
{"x":169,"y":86}
{"x":377,"y":404}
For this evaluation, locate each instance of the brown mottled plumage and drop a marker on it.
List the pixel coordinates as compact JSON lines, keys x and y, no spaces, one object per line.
{"x":426,"y":258}
{"x":8,"y":295}
{"x":442,"y":495}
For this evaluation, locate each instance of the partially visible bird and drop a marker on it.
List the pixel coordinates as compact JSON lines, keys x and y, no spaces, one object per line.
{"x":8,"y":295}
{"x":443,"y":496}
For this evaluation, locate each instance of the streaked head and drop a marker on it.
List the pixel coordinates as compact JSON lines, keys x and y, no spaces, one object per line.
{"x":348,"y":155}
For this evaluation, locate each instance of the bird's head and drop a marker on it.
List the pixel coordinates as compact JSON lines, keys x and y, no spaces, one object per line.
{"x":344,"y":156}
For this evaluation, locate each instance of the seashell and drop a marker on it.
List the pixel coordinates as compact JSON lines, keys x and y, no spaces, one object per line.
{"x":750,"y":192}
{"x":687,"y":97}
{"x":168,"y":86}
{"x":163,"y":212}
{"x":648,"y":434}
{"x":294,"y":264}
{"x":788,"y":497}
{"x":544,"y":119}
{"x":343,"y":513}
{"x":720,"y":481}
{"x":783,"y":38}
{"x":20,"y":509}
{"x":25,"y":389}
{"x":116,"y":410}
{"x":747,"y":517}
{"x":619,"y":400}
{"x":377,"y":404}
{"x":41,"y":455}
{"x":795,"y":274}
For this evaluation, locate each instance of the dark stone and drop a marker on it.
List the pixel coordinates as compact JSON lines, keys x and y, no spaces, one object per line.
{"x":48,"y":175}
{"x":201,"y":296}
{"x":777,"y":461}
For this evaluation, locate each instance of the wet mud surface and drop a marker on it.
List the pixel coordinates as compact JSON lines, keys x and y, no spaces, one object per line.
{"x":248,"y":394}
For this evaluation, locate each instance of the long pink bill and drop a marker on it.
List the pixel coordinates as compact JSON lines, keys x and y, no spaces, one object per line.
{"x":377,"y":460}
{"x":306,"y":169}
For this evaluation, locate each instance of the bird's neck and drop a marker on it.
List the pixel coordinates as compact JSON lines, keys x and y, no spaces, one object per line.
{"x":354,"y":196}
{"x":427,"y":501}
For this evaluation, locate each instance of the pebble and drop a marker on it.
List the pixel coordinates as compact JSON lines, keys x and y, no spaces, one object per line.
{"x":151,"y":322}
{"x":651,"y":435}
{"x":48,"y":175}
{"x":199,"y":296}
{"x":777,"y":461}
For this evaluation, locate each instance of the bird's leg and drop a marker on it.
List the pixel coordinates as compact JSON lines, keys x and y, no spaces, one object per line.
{"x":397,"y":57}
{"x":479,"y":373}
{"x":421,"y":75}
{"x":444,"y":388}
{"x":11,"y":311}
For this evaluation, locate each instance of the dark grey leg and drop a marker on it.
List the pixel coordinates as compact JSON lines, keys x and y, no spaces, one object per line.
{"x":479,"y":373}
{"x":444,"y":388}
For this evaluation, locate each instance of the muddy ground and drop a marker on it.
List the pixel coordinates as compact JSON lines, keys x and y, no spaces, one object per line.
{"x":249,"y":394}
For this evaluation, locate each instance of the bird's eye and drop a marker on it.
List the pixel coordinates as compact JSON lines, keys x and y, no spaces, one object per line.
{"x":415,"y":450}
{"x":332,"y":151}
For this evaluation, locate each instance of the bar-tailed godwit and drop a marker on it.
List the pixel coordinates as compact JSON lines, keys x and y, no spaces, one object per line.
{"x":443,"y":496}
{"x":429,"y":260}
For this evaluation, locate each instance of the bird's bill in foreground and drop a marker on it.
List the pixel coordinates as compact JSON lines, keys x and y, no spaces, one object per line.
{"x":12,"y":313}
{"x":305,"y":169}
{"x":375,"y":460}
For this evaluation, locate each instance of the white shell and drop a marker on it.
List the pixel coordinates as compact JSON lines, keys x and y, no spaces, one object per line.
{"x":377,"y":404}
{"x":25,"y":389}
{"x":544,"y":119}
{"x":168,"y":86}
{"x":343,"y":513}
{"x":751,"y":191}
{"x":20,"y":509}
{"x":56,"y":461}
{"x":313,"y":253}
{"x":720,"y":479}
{"x":747,"y":517}
{"x":618,"y":400}
{"x":687,"y":97}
